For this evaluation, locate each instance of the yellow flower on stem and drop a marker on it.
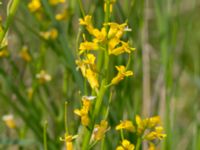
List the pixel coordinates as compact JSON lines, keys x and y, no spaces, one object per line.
{"x":87,"y":21}
{"x":116,"y":30}
{"x":100,"y":35}
{"x":127,"y":125}
{"x":126,"y":145}
{"x":83,"y":112}
{"x":34,"y":5}
{"x":55,"y":2}
{"x":43,"y":76}
{"x":121,"y":49}
{"x":151,"y":146}
{"x":9,"y":121}
{"x":24,"y":54}
{"x":92,"y":78}
{"x":121,"y":74}
{"x":100,"y":130}
{"x":68,"y":139}
{"x":156,"y":134}
{"x":86,"y":46}
{"x":62,"y":16}
{"x":51,"y":34}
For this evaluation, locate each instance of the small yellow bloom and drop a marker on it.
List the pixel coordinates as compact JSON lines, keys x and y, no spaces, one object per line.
{"x":24,"y":54}
{"x":85,"y":46}
{"x":55,"y":2}
{"x":61,"y":16}
{"x":4,"y":53}
{"x":68,"y":141}
{"x":157,"y":134}
{"x":92,"y":79}
{"x":126,"y":145}
{"x":122,"y":49}
{"x":127,"y":125}
{"x":9,"y":120}
{"x":34,"y":5}
{"x":83,"y":112}
{"x":121,"y":74}
{"x":100,"y":35}
{"x":51,"y":34}
{"x":43,"y":76}
{"x":100,"y":130}
{"x":116,"y":30}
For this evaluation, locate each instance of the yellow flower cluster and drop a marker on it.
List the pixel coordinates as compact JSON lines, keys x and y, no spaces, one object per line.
{"x":84,"y":111}
{"x":107,"y":39}
{"x":100,"y":130}
{"x":126,"y":145}
{"x":148,"y":129}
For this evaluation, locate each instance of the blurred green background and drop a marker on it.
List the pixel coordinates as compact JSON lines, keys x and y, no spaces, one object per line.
{"x":166,"y":65}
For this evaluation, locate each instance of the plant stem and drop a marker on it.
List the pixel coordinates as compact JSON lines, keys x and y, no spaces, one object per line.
{"x":11,"y":12}
{"x":45,"y":135}
{"x":138,"y":144}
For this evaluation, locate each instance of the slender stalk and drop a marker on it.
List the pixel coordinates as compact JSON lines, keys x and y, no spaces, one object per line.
{"x":11,"y":13}
{"x":102,"y":88}
{"x":138,"y":144}
{"x":45,"y":135}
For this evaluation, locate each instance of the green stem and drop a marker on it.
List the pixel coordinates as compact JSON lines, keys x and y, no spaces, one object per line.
{"x":45,"y":135}
{"x":138,"y":144}
{"x":81,"y":7}
{"x":11,"y":14}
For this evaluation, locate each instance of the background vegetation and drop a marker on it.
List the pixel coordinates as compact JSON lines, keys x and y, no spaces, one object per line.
{"x":166,"y":69}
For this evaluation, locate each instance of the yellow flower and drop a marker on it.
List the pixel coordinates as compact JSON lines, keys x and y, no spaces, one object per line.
{"x":151,"y":146}
{"x":55,"y":2}
{"x":121,"y":74}
{"x":126,"y":145}
{"x":116,"y":30}
{"x":100,"y":36}
{"x":92,"y":78}
{"x":100,"y":130}
{"x":24,"y":54}
{"x":122,"y":49}
{"x":9,"y":120}
{"x":157,"y":134}
{"x":82,"y":66}
{"x":83,"y":112}
{"x":34,"y":5}
{"x":43,"y":76}
{"x":68,"y":141}
{"x":4,"y":53}
{"x":61,"y":16}
{"x":51,"y":34}
{"x":87,"y":21}
{"x":85,"y":46}
{"x":127,"y":125}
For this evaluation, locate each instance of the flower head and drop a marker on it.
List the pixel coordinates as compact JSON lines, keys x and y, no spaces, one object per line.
{"x":24,"y":54}
{"x":34,"y":5}
{"x":121,"y":74}
{"x":68,"y":139}
{"x":127,"y":125}
{"x":43,"y":76}
{"x":100,"y":130}
{"x":9,"y":120}
{"x":126,"y":145}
